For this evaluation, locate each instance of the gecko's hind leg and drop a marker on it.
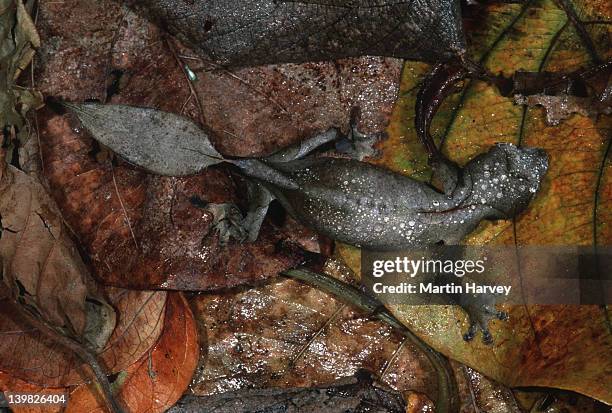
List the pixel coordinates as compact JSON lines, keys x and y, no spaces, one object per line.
{"x":305,"y":147}
{"x":356,"y":144}
{"x":259,"y":201}
{"x":227,"y":220}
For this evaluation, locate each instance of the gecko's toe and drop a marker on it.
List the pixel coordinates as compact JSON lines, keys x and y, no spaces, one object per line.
{"x":358,"y":145}
{"x":228,"y":222}
{"x":502,"y":315}
{"x":487,"y":338}
{"x":471,"y":333}
{"x":481,"y":311}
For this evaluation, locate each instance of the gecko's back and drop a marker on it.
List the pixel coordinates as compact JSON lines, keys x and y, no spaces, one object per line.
{"x":361,"y":204}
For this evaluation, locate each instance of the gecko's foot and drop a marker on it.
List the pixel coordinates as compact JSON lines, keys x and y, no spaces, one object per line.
{"x":228,"y":221}
{"x":480,"y":314}
{"x":357,"y":145}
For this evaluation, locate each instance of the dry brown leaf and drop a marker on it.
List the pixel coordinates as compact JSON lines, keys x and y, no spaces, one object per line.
{"x":287,"y":334}
{"x":39,"y":259}
{"x":139,"y":325}
{"x":156,"y":381}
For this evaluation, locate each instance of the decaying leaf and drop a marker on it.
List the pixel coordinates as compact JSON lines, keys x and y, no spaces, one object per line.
{"x":156,"y":381}
{"x":288,"y":334}
{"x":557,"y":346}
{"x":41,"y":263}
{"x":258,"y":110}
{"x":18,"y":41}
{"x":264,"y":32}
{"x":181,"y":146}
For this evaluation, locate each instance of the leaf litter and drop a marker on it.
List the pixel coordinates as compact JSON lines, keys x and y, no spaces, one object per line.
{"x":62,"y":132}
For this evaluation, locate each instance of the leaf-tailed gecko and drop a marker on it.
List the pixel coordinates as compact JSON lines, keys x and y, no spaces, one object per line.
{"x":345,"y":199}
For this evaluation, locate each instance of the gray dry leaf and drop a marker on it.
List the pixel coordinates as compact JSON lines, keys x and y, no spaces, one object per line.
{"x":258,"y":32}
{"x":161,"y":142}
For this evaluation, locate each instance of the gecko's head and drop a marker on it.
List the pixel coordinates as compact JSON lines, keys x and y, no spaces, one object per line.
{"x":508,"y":177}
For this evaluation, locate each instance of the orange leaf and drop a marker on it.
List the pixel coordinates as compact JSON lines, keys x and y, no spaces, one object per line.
{"x":159,"y":378}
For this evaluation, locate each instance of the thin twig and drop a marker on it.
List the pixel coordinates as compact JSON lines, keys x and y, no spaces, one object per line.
{"x":312,"y":339}
{"x":192,"y":91}
{"x":127,"y":217}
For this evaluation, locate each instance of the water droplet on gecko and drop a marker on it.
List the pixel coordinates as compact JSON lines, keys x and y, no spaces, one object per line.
{"x":435,"y":203}
{"x":411,"y":223}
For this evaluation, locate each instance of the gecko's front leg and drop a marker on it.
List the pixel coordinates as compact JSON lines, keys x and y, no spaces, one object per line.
{"x":356,"y":144}
{"x":228,"y":220}
{"x":480,"y":310}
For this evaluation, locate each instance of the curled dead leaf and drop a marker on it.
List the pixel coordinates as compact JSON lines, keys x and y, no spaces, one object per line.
{"x":39,"y":260}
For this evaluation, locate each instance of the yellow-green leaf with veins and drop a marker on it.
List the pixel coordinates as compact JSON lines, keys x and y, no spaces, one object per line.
{"x":567,"y":347}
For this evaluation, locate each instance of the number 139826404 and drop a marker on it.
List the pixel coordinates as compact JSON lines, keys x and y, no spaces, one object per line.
{"x":9,"y":398}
